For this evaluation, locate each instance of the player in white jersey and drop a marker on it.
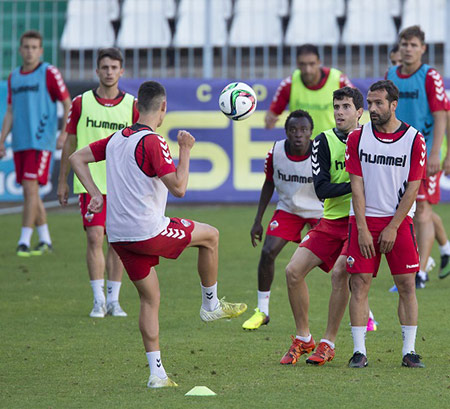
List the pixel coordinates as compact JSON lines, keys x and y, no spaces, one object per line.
{"x":288,"y":171}
{"x":140,"y":172}
{"x":386,"y":160}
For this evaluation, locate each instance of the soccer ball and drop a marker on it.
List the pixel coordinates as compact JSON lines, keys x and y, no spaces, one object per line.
{"x":237,"y":101}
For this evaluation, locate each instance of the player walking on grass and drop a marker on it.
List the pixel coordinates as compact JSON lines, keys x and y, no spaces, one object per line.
{"x":288,"y":170}
{"x":140,"y":172}
{"x":422,"y":104}
{"x":93,"y":116}
{"x":386,"y":160}
{"x":324,"y":245}
{"x":33,"y":90}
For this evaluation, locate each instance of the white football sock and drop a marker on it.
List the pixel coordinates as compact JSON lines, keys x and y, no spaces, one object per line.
{"x":371,"y":315}
{"x":25,"y":236}
{"x":97,"y":289}
{"x":44,"y":234}
{"x":359,"y":339}
{"x":263,"y":301}
{"x":155,"y":364}
{"x":445,"y":249}
{"x":422,"y":275}
{"x":112,"y":291}
{"x":409,"y":338}
{"x":209,"y":298}
{"x":327,"y":341}
{"x":304,"y":339}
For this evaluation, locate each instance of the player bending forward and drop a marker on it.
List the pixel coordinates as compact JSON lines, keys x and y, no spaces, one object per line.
{"x":136,"y":223}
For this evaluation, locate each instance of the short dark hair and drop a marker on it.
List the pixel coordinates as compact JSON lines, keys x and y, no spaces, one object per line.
{"x":349,"y":92}
{"x":150,"y":96}
{"x":394,"y":49}
{"x":111,"y":52}
{"x":308,"y":49}
{"x":31,"y":34}
{"x":413,"y":31}
{"x":299,"y":113}
{"x":388,"y":86}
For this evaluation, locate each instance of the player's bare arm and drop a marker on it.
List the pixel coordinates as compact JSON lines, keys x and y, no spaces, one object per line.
{"x":389,"y":234}
{"x":67,"y":103}
{"x":270,"y":119}
{"x":69,"y":147}
{"x":257,"y":230}
{"x":365,"y":238}
{"x":177,"y":181}
{"x":433,"y":160}
{"x":79,"y":161}
{"x":6,"y":129}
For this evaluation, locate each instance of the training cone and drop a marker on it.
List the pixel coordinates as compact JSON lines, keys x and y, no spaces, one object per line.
{"x":200,"y":391}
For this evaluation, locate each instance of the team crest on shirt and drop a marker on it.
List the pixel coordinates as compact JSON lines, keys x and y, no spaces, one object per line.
{"x":273,"y":225}
{"x":350,"y":261}
{"x":185,"y":222}
{"x":305,"y":238}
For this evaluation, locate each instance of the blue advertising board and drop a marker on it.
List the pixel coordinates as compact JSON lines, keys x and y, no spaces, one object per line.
{"x":227,"y":161}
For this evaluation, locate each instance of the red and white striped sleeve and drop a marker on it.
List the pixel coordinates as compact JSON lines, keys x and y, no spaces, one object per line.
{"x":418,"y":169}
{"x":435,"y":89}
{"x":56,"y":85}
{"x":281,"y":97}
{"x":268,"y":166}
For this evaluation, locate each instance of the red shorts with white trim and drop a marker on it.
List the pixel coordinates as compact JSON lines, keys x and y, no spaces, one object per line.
{"x":98,"y":219}
{"x":32,"y":165}
{"x":327,"y":240}
{"x":138,"y":257}
{"x":288,"y":226}
{"x":429,"y":189}
{"x":402,"y":259}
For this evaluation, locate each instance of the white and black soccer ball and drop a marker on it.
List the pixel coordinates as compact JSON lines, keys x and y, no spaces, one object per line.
{"x":237,"y":101}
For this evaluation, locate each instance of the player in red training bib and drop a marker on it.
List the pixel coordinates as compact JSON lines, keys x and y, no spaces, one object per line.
{"x":135,"y":219}
{"x":386,"y":160}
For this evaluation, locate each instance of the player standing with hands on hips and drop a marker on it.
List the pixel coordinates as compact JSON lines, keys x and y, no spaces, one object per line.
{"x":386,"y":160}
{"x":135,"y":220}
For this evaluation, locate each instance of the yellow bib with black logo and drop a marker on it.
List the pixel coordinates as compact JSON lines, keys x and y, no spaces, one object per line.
{"x":337,"y":207}
{"x":97,"y":122}
{"x":318,"y":103}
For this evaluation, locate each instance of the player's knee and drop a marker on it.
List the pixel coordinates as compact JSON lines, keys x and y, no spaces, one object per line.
{"x":94,"y":237}
{"x":267,"y":255}
{"x":213,"y":237}
{"x":293,"y":275}
{"x":339,"y":278}
{"x":359,"y":286}
{"x":423,"y":212}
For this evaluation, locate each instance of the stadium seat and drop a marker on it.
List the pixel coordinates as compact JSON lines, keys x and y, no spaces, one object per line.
{"x":88,"y":25}
{"x":430,"y":15}
{"x":257,"y":23}
{"x":190,"y":28}
{"x":145,"y":24}
{"x":371,"y":22}
{"x":314,"y":22}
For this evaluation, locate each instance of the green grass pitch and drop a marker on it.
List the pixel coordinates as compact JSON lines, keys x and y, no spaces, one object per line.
{"x":52,"y":355}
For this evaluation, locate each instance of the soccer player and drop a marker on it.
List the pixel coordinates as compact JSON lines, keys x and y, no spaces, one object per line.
{"x":422,"y":104}
{"x":33,"y":90}
{"x":288,"y":170}
{"x":140,"y":171}
{"x":310,"y":88}
{"x":94,"y":115}
{"x":324,"y":245}
{"x":394,"y":56}
{"x":386,"y":160}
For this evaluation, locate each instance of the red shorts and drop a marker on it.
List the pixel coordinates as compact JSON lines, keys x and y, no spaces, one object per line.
{"x":99,"y":219}
{"x":327,"y":240}
{"x":429,"y":189}
{"x":288,"y":226}
{"x":32,"y":165}
{"x":138,"y":257}
{"x":402,"y":259}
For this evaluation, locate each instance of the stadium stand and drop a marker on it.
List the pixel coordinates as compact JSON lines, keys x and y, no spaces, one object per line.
{"x":89,"y":24}
{"x":154,"y":33}
{"x":303,"y":26}
{"x":370,"y":22}
{"x":430,"y":15}
{"x":257,"y":23}
{"x":191,"y":28}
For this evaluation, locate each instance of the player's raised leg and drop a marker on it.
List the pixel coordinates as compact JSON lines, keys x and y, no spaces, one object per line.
{"x":266,"y":269}
{"x":301,"y":263}
{"x":206,"y":239}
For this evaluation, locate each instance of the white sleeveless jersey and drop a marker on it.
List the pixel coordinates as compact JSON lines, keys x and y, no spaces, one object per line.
{"x":136,"y":202}
{"x":385,"y":169}
{"x":294,"y":184}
